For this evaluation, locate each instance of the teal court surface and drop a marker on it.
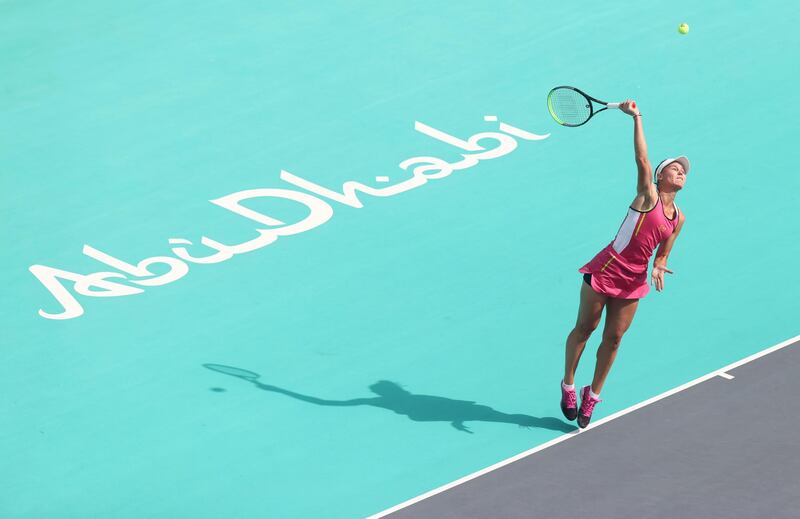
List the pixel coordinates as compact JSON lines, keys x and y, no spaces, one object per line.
{"x":320,"y":259}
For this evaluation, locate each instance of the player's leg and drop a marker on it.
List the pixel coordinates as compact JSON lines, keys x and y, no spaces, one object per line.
{"x":619,"y":316}
{"x":589,"y":313}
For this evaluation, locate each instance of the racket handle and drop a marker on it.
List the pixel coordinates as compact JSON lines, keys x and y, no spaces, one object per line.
{"x":613,"y":105}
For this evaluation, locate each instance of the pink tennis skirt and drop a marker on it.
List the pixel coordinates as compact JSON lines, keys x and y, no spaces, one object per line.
{"x":613,"y":279}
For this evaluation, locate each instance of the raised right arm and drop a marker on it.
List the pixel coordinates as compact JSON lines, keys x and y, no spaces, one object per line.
{"x":644,"y":170}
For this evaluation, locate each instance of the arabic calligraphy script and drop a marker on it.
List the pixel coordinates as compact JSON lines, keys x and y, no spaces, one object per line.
{"x":423,"y":169}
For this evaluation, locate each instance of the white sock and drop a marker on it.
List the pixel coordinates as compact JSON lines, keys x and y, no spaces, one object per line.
{"x":591,"y":394}
{"x":565,"y":386}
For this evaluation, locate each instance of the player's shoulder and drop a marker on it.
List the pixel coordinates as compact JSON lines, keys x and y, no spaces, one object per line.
{"x":681,"y":218}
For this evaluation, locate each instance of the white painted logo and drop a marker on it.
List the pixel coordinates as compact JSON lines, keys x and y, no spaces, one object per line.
{"x":423,"y":169}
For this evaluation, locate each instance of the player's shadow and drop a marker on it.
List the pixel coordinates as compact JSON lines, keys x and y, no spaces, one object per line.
{"x":420,"y":408}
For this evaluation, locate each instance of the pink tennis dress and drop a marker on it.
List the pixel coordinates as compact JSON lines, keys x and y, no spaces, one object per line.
{"x":620,"y":269}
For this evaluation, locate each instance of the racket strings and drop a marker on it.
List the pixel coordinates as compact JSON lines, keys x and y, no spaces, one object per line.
{"x":568,"y":106}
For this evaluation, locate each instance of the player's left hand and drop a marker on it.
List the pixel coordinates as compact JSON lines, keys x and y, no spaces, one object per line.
{"x":657,"y":277}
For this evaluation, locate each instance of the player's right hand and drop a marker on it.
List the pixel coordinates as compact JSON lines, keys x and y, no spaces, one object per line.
{"x":629,"y":107}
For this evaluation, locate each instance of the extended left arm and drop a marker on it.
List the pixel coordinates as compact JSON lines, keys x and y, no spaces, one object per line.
{"x":663,"y":250}
{"x":660,"y":263}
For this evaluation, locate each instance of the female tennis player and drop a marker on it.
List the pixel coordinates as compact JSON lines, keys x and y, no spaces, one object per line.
{"x":616,"y":278}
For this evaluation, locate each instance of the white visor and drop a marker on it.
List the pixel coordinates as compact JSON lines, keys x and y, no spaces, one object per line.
{"x":666,"y":162}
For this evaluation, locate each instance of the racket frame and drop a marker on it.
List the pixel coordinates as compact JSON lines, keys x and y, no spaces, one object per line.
{"x":591,"y":99}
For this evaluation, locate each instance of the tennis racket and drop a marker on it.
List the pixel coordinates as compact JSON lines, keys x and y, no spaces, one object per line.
{"x":572,"y":107}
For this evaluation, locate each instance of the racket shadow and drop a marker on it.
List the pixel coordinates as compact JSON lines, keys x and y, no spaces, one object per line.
{"x":417,"y":407}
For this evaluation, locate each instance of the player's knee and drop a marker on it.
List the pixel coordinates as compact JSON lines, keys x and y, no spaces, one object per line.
{"x":612,"y":339}
{"x":584,"y":330}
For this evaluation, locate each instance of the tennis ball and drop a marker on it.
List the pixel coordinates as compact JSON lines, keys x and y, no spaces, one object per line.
{"x":683,"y":28}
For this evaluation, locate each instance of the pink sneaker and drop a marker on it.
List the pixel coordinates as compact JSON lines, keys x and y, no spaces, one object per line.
{"x":587,"y":406}
{"x":569,"y":402}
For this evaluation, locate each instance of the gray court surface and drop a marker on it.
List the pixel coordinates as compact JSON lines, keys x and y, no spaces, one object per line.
{"x":722,"y":448}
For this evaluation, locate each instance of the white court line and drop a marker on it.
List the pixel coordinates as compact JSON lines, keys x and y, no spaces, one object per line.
{"x":725,"y":375}
{"x":719,"y":372}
